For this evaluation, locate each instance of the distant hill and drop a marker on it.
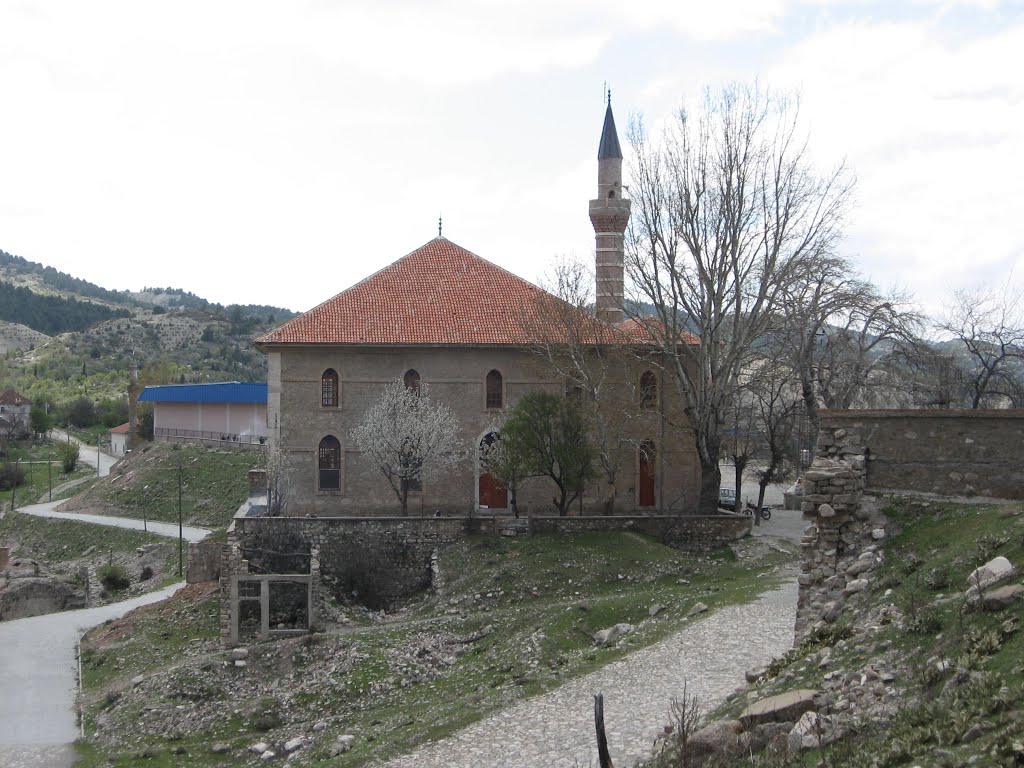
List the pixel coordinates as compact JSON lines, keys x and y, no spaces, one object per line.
{"x":62,"y":336}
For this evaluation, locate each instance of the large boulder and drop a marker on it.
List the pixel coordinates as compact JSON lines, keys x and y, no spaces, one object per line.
{"x":1003,"y":597}
{"x":35,"y":596}
{"x":720,"y":738}
{"x":785,"y":707}
{"x":995,"y":570}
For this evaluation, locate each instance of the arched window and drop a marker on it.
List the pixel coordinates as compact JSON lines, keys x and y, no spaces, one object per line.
{"x":648,"y":390}
{"x":495,"y":395}
{"x":412,"y":380}
{"x":330,"y":464}
{"x":329,"y":389}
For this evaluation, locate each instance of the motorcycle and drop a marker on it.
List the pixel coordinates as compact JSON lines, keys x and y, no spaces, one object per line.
{"x":766,"y":511}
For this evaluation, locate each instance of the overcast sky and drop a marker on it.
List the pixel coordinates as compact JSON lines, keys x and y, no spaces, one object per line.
{"x":275,"y":153}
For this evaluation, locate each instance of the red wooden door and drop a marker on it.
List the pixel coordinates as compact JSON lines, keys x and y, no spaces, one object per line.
{"x":493,"y":494}
{"x":647,"y":473}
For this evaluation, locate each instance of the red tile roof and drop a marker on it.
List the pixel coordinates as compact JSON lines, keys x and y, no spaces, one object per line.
{"x":121,"y":429}
{"x":648,"y":329}
{"x":12,"y":397}
{"x":438,"y":294}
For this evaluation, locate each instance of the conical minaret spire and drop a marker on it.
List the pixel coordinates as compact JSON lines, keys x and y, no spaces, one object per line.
{"x":609,"y":213}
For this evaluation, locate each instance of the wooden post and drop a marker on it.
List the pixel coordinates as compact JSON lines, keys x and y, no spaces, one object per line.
{"x":604,"y":759}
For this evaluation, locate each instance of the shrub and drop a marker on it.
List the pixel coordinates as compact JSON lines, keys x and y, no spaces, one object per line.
{"x":113,"y":577}
{"x":11,"y":475}
{"x":68,"y":456}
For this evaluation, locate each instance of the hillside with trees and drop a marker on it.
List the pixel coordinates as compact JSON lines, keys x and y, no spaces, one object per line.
{"x":63,"y":339}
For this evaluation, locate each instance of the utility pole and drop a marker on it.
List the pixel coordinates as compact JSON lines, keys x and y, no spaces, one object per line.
{"x":49,"y":476}
{"x":180,"y":554}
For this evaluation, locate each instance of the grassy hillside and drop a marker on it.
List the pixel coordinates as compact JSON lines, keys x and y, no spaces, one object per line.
{"x":513,"y":618}
{"x":214,"y":483}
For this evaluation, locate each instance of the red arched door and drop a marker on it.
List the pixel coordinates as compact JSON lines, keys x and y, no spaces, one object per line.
{"x":648,"y":471}
{"x":493,"y":493}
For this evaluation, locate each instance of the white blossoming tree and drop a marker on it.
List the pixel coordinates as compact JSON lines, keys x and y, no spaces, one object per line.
{"x":409,"y":438}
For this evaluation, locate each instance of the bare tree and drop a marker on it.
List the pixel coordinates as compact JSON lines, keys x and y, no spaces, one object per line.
{"x":843,"y":335}
{"x":727,"y":211}
{"x":777,"y":403}
{"x":408,"y":437}
{"x":740,"y":436}
{"x":990,"y":326}
{"x":273,"y":464}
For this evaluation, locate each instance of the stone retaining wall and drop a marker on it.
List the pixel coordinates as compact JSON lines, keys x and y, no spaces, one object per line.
{"x":204,"y":561}
{"x":378,"y":559}
{"x":689,"y":533}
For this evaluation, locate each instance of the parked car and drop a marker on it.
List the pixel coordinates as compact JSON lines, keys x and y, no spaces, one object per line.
{"x":727,"y":499}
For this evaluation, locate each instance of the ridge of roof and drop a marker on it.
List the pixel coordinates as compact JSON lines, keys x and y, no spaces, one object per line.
{"x":440,"y":293}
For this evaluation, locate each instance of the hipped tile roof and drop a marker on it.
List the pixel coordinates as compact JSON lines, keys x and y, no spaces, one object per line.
{"x":13,"y":397}
{"x":438,"y":294}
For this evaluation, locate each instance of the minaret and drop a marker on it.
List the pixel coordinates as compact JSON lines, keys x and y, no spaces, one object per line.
{"x":609,"y":214}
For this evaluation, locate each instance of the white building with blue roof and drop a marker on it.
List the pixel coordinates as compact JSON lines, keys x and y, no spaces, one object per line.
{"x":223,"y":413}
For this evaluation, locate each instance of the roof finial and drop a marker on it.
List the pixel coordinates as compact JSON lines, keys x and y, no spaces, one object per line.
{"x":609,"y":97}
{"x":439,"y":225}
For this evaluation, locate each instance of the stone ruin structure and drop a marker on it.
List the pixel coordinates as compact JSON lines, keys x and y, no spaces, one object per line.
{"x":939,"y":452}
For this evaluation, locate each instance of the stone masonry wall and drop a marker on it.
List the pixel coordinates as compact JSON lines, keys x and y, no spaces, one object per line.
{"x":950,"y":452}
{"x":381,"y":559}
{"x":957,"y":453}
{"x":689,"y":533}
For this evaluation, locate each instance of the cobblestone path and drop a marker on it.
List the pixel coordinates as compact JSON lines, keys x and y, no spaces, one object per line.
{"x":556,"y":730}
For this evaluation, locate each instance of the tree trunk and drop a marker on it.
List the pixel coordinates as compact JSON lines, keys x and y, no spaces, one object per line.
{"x":710,"y":482}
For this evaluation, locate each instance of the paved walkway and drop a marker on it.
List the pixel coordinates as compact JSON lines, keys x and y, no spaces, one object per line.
{"x":38,"y":680}
{"x":188,"y":532}
{"x":556,"y":730}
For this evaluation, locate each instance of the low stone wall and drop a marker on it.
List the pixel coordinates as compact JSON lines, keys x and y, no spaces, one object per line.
{"x":948,"y":452}
{"x":689,"y":533}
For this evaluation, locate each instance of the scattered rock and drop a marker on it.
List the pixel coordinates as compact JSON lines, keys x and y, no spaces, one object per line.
{"x":292,"y":744}
{"x":220,"y":748}
{"x":137,"y":681}
{"x":610,"y":635}
{"x":698,"y":608}
{"x":259,"y":748}
{"x":720,"y":738}
{"x":878,"y":534}
{"x":1003,"y":597}
{"x":805,"y":734}
{"x":785,"y":706}
{"x":239,"y":653}
{"x":655,"y":609}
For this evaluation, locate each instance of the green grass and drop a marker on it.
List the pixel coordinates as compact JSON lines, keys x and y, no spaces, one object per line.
{"x":38,"y":481}
{"x":213,"y":482}
{"x":55,"y":541}
{"x":533,"y":602}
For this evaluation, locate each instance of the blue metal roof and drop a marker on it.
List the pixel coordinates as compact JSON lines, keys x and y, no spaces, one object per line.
{"x":220,"y":392}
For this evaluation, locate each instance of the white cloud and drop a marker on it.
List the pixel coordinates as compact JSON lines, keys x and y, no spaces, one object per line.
{"x":933,"y":125}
